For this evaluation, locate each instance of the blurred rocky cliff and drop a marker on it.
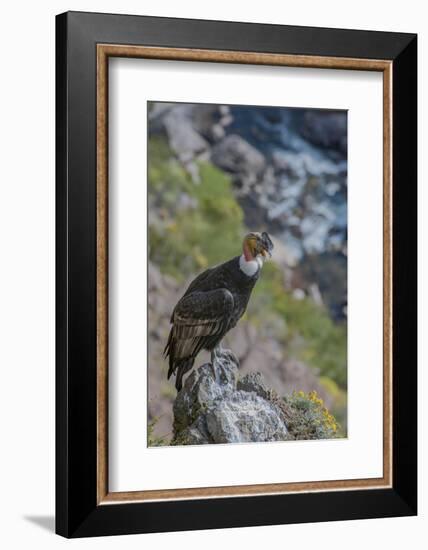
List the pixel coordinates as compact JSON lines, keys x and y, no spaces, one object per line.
{"x":216,"y":171}
{"x":289,"y":174}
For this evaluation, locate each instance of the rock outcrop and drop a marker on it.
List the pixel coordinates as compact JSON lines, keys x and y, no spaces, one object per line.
{"x":216,"y":406}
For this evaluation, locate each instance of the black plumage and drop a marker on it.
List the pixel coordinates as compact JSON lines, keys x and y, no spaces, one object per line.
{"x":210,"y":307}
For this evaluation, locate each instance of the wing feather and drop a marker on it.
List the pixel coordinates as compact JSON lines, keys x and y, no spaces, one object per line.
{"x":197,"y":319}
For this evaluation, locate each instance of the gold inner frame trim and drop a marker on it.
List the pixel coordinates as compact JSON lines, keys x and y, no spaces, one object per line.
{"x":104,"y":51}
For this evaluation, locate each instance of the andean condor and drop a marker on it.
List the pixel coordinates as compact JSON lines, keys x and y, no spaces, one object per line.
{"x":213,"y":304}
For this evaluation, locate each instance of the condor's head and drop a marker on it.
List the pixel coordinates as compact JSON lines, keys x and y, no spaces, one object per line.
{"x":257,"y":245}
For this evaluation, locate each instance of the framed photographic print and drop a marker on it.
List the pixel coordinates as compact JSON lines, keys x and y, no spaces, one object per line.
{"x":236,"y":274}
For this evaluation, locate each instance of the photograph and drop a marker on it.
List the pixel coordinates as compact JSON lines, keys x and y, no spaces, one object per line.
{"x":247,"y":273}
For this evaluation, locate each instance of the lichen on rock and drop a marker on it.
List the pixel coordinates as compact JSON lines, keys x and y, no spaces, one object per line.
{"x":245,"y":417}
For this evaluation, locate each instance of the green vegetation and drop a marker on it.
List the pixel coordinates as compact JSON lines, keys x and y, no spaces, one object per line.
{"x":190,"y":239}
{"x":310,"y":335}
{"x":207,"y":230}
{"x":308,"y":418}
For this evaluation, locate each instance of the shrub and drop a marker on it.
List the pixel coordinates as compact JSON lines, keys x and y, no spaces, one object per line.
{"x":308,"y":418}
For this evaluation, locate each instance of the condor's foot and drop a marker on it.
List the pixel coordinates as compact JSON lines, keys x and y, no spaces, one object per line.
{"x":219,"y":354}
{"x":216,"y":352}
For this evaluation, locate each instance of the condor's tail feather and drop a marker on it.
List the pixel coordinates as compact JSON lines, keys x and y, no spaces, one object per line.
{"x":177,"y":366}
{"x":167,"y":350}
{"x":181,"y":367}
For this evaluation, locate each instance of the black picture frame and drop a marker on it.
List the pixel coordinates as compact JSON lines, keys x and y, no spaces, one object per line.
{"x":77,"y":511}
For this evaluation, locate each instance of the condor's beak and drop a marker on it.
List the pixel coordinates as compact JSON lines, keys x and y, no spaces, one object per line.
{"x":267,"y":245}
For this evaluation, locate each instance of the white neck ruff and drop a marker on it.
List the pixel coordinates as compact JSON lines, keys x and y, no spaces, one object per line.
{"x":251,"y":267}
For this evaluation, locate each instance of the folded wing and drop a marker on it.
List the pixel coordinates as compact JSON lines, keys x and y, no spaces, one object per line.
{"x":200,"y":319}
